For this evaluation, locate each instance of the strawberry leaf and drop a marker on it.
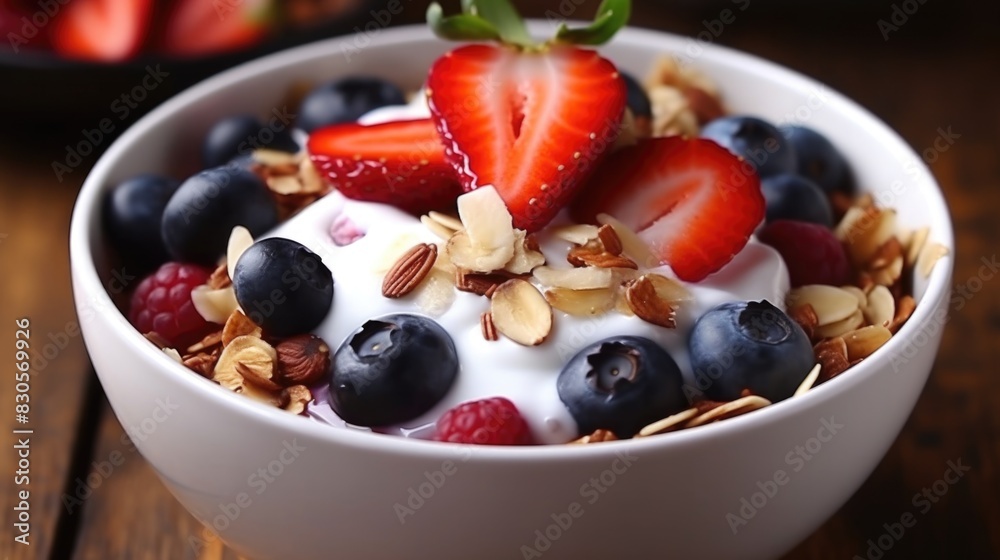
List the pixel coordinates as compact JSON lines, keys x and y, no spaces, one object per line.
{"x":462,"y":27}
{"x":503,"y":16}
{"x":611,"y":16}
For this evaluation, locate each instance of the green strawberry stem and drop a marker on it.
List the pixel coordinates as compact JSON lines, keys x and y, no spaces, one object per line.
{"x":498,"y":20}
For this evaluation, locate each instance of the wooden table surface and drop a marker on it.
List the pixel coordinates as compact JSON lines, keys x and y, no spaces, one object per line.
{"x":937,"y":71}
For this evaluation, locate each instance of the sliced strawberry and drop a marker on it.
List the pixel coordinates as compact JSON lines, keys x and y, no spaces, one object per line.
{"x":200,"y":27}
{"x":692,"y":201}
{"x":103,"y":30}
{"x":532,"y":124}
{"x":399,"y":163}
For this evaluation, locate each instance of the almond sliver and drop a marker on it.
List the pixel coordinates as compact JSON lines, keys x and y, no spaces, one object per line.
{"x":830,"y":303}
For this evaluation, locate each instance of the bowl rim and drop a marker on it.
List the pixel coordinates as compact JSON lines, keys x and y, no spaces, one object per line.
{"x":87,"y":281}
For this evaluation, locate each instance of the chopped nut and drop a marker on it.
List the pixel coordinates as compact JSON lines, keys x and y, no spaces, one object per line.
{"x":832,"y":356}
{"x":646,"y":302}
{"x":202,"y":363}
{"x":479,"y":284}
{"x":904,"y":308}
{"x":863,"y":342}
{"x":886,"y":254}
{"x":888,"y":275}
{"x":805,"y":316}
{"x":219,"y":278}
{"x":246,"y":363}
{"x":831,"y":304}
{"x":867,"y":232}
{"x":520,"y":313}
{"x":302,"y":360}
{"x":409,"y":271}
{"x":597,"y":437}
{"x":632,"y":246}
{"x":880,"y":308}
{"x":581,"y":302}
{"x":575,"y":278}
{"x":593,"y":253}
{"x":239,"y":241}
{"x":672,"y":113}
{"x":487,"y":327}
{"x":464,"y":254}
{"x":295,"y":399}
{"x":729,"y":410}
{"x":610,"y":240}
{"x":238,"y":325}
{"x":526,"y":257}
{"x":840,"y":328}
{"x":210,"y":340}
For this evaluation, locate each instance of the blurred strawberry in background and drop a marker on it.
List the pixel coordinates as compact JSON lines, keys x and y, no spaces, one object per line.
{"x":113,"y":31}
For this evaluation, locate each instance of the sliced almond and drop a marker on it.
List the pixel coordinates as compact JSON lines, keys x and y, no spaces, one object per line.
{"x":632,"y":246}
{"x":215,"y":306}
{"x":863,"y":342}
{"x":525,"y":258}
{"x":285,"y":184}
{"x":869,"y":233}
{"x":238,"y":325}
{"x":239,"y":241}
{"x":436,"y":293}
{"x":446,"y":220}
{"x":887,"y":275}
{"x":409,"y":271}
{"x":729,"y":410}
{"x":579,"y":234}
{"x":246,"y":366}
{"x":809,"y":381}
{"x":841,"y":327}
{"x":310,"y":178}
{"x":597,"y":437}
{"x":916,"y":244}
{"x":929,"y":256}
{"x":830,"y":303}
{"x":581,"y":302}
{"x":487,"y":221}
{"x":436,"y":228}
{"x":805,"y":317}
{"x":208,"y":342}
{"x":669,"y":424}
{"x":851,"y":219}
{"x":858,"y":293}
{"x":464,"y":254}
{"x":886,"y":254}
{"x":174,"y":354}
{"x":880,"y":308}
{"x":521,"y":313}
{"x":575,"y":278}
{"x":647,"y":303}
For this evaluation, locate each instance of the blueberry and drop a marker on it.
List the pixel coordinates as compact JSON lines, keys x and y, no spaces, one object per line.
{"x":203,"y":212}
{"x":346,"y":100}
{"x":391,"y":370}
{"x":818,"y":159}
{"x":637,"y":99}
{"x":755,"y":140}
{"x":621,"y":384}
{"x":133,"y":211}
{"x":283,"y":286}
{"x":793,"y":197}
{"x":748,"y":345}
{"x":241,"y":134}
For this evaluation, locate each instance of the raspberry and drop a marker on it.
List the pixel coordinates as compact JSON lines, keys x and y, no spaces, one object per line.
{"x":811,"y":252}
{"x":493,"y":421}
{"x":162,"y":304}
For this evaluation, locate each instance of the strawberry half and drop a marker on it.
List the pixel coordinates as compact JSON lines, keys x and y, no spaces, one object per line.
{"x":102,"y":30}
{"x":399,"y":163}
{"x":532,"y":124}
{"x":694,"y":203}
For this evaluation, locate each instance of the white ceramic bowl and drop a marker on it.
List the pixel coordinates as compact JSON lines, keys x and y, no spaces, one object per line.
{"x":278,"y":486}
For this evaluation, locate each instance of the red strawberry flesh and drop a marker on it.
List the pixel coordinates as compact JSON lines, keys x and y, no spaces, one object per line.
{"x":532,"y":124}
{"x":693,"y":202}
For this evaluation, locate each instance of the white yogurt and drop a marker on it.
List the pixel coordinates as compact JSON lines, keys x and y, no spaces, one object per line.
{"x":524,"y":375}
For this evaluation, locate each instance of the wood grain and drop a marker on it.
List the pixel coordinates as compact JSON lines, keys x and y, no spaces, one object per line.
{"x":935,"y":72}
